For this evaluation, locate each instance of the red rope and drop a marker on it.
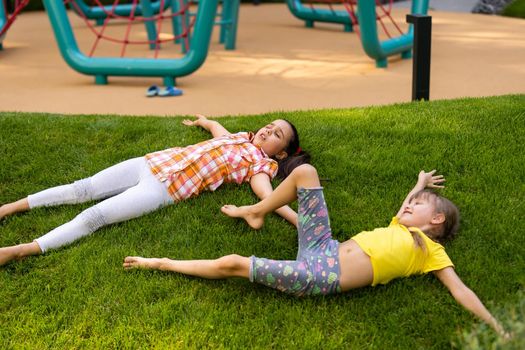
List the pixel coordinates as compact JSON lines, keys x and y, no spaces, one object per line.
{"x":185,"y":30}
{"x":159,"y":27}
{"x":128,"y":28}
{"x":387,"y":14}
{"x":104,"y":26}
{"x":350,"y":7}
{"x":143,"y":19}
{"x":19,"y":6}
{"x":130,"y":19}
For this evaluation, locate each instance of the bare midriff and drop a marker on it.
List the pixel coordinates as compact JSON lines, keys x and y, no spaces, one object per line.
{"x":356,"y":267}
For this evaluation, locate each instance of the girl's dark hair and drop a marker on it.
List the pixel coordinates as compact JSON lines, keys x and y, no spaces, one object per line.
{"x":449,"y":228}
{"x":296,"y":156}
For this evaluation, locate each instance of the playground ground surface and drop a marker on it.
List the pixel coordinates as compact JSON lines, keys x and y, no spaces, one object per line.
{"x":279,"y":65}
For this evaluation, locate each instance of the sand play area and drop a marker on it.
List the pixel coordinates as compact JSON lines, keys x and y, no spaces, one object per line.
{"x":279,"y":65}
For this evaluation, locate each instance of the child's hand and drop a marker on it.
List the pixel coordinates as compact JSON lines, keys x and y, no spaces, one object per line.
{"x":197,"y":122}
{"x":429,"y":180}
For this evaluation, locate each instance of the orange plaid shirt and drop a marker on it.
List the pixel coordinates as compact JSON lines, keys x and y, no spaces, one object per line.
{"x":187,"y":171}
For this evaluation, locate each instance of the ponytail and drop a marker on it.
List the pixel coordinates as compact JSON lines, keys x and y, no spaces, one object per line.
{"x":289,"y":163}
{"x":296,"y":156}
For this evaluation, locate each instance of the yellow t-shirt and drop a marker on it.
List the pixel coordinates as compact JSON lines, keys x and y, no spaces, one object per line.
{"x":394,"y":253}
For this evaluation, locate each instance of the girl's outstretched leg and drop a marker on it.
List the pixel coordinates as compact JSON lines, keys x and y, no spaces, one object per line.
{"x":148,"y":195}
{"x":14,"y":207}
{"x":304,"y":176}
{"x":18,"y":252}
{"x":106,"y":183}
{"x":227,"y":266}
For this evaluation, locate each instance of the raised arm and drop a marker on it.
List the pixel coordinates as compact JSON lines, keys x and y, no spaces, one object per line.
{"x":214,"y":127}
{"x":467,"y":298}
{"x":424,"y":180}
{"x":262,"y":187}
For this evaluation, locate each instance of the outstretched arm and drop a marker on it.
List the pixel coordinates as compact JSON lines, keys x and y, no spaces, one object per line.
{"x":424,"y":180}
{"x":467,"y":298}
{"x":262,"y":187}
{"x":214,"y":127}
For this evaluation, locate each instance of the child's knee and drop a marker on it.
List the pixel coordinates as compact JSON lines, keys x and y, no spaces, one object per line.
{"x":93,"y":218}
{"x":230,"y":264}
{"x":305,"y":171}
{"x":83,"y":190}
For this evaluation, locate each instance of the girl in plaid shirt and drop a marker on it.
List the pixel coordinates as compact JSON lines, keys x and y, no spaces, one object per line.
{"x":140,"y":185}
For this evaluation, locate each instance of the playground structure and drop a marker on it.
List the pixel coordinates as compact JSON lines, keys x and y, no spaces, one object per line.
{"x":102,"y":67}
{"x":365,"y":14}
{"x":193,"y":32}
{"x":151,"y":13}
{"x":180,"y":18}
{"x":305,"y":69}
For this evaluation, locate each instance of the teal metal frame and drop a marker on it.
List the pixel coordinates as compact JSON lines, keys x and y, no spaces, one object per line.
{"x":102,"y":67}
{"x":3,"y":23}
{"x":228,"y":18}
{"x":366,"y":14}
{"x":146,"y":8}
{"x":312,"y":15}
{"x":98,"y":13}
{"x":380,"y":50}
{"x":228,"y":23}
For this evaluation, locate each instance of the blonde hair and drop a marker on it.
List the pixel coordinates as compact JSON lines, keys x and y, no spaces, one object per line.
{"x":449,"y":228}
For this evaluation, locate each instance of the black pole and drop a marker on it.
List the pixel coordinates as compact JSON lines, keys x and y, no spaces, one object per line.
{"x":421,"y":62}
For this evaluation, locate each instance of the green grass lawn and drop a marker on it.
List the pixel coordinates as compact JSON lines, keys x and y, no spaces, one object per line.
{"x":80,"y":297}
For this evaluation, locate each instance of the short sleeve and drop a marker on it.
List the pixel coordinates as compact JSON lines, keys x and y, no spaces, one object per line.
{"x":437,"y":259}
{"x":395,"y":221}
{"x":265,"y":165}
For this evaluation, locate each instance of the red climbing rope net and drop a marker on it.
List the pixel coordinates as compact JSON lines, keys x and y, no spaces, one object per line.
{"x":187,"y":21}
{"x":383,"y":12}
{"x":11,"y":10}
{"x":164,"y":12}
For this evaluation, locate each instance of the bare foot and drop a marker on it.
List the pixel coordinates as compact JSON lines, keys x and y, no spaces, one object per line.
{"x":15,"y":207}
{"x":134,"y":262}
{"x":5,"y":210}
{"x":8,"y":254}
{"x":18,"y":252}
{"x":247,"y":213}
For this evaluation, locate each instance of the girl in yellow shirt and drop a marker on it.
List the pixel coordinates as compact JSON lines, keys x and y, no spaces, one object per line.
{"x":410,"y":245}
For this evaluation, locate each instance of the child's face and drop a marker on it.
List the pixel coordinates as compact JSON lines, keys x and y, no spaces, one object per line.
{"x":274,"y":137}
{"x":420,"y":212}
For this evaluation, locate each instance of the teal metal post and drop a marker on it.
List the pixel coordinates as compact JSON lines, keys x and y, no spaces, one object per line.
{"x":181,"y":23}
{"x":310,"y":15}
{"x":102,"y":67}
{"x":228,"y":23}
{"x":3,"y":23}
{"x":380,"y":50}
{"x":225,"y":12}
{"x":149,"y":22}
{"x":176,"y":23}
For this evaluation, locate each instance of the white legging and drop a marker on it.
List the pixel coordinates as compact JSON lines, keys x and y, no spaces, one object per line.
{"x":131,"y":190}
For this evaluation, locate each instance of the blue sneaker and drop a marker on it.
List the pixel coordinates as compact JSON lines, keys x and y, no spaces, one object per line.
{"x":170,"y":91}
